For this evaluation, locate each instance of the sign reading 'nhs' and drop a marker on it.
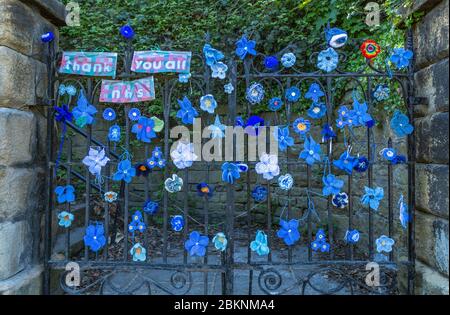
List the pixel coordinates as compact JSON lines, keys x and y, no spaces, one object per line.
{"x":89,"y":63}
{"x":161,"y":61}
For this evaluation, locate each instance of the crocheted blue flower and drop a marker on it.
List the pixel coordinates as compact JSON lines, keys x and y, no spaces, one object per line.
{"x":177,"y":223}
{"x":340,"y":200}
{"x":196,"y":244}
{"x":388,"y":153}
{"x":255,"y":93}
{"x":244,"y":47}
{"x":65,"y":194}
{"x":208,"y":103}
{"x":219,"y":70}
{"x":144,"y":129}
{"x":137,"y":223}
{"x":275,"y":103}
{"x":381,"y":92}
{"x":184,"y":77}
{"x":286,"y":181}
{"x":401,"y":57}
{"x":127,"y":31}
{"x":83,"y":112}
{"x":231,"y":171}
{"x":301,"y":126}
{"x":228,"y":88}
{"x":212,"y":55}
{"x":187,"y":113}
{"x":293,"y":94}
{"x":252,"y":125}
{"x":65,"y":219}
{"x":360,"y":115}
{"x":109,"y":114}
{"x":327,"y":60}
{"x":260,"y":245}
{"x":220,"y":241}
{"x":345,"y":117}
{"x":346,"y":162}
{"x":352,"y":236}
{"x":47,"y":37}
{"x":400,"y":124}
{"x":336,"y":37}
{"x":63,"y":114}
{"x":150,"y":207}
{"x":372,"y":197}
{"x":332,"y":185}
{"x":95,"y":237}
{"x":288,"y":60}
{"x":173,"y":184}
{"x":95,"y":160}
{"x":271,"y":62}
{"x":320,"y":242}
{"x":327,"y":132}
{"x":361,"y":165}
{"x":156,"y":160}
{"x":114,"y":133}
{"x":283,"y":138}
{"x":384,"y":244}
{"x":259,"y":194}
{"x":317,"y":110}
{"x":142,"y":169}
{"x":289,"y":231}
{"x":204,"y":190}
{"x":125,"y":171}
{"x":138,"y":253}
{"x":134,"y":114}
{"x":217,"y":129}
{"x":314,"y":92}
{"x":311,"y":151}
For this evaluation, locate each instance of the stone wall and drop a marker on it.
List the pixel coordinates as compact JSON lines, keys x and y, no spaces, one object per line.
{"x":22,"y":139}
{"x":432,"y":205}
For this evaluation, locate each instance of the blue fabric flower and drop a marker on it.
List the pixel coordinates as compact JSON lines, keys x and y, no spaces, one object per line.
{"x":260,"y":245}
{"x":286,"y":181}
{"x":134,"y":114}
{"x":345,"y":117}
{"x":156,"y":160}
{"x":259,"y":194}
{"x":114,"y":133}
{"x":332,"y":185}
{"x":173,"y":184}
{"x":151,"y":207}
{"x":388,"y":153}
{"x":400,"y":124}
{"x":317,"y":110}
{"x":253,"y":124}
{"x":327,"y":132}
{"x":404,"y":212}
{"x":63,"y":114}
{"x":283,"y":138}
{"x":71,"y":90}
{"x":95,"y":237}
{"x":109,"y":114}
{"x":65,"y":194}
{"x":346,"y":162}
{"x":83,"y":112}
{"x":255,"y":93}
{"x":384,"y":244}
{"x":340,"y":200}
{"x":187,"y":113}
{"x":125,"y":171}
{"x":352,"y":236}
{"x":239,"y":122}
{"x":311,"y":151}
{"x":138,"y":252}
{"x":271,"y":62}
{"x":219,"y":70}
{"x":177,"y":223}
{"x":314,"y":92}
{"x":275,"y":103}
{"x":47,"y":37}
{"x":217,"y":129}
{"x":360,"y":115}
{"x":327,"y":60}
{"x":320,"y":242}
{"x":65,"y":219}
{"x":231,"y":171}
{"x":95,"y":160}
{"x":127,"y":31}
{"x":244,"y":47}
{"x":196,"y":244}
{"x":401,"y":57}
{"x":372,"y":197}
{"x":212,"y":55}
{"x":208,"y":103}
{"x":184,"y":77}
{"x":301,"y":126}
{"x":144,"y":129}
{"x":204,"y":190}
{"x":228,"y":88}
{"x":289,"y":231}
{"x":361,"y":165}
{"x":335,"y":37}
{"x":398,"y":159}
{"x":293,"y":94}
{"x":381,"y":92}
{"x":220,"y":241}
{"x":137,"y":223}
{"x":288,"y":60}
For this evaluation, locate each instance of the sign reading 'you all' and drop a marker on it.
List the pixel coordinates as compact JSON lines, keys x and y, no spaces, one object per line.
{"x":141,"y":90}
{"x":89,"y":63}
{"x":161,"y":61}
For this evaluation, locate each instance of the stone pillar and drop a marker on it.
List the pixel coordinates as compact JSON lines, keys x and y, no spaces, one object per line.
{"x":22,"y":139}
{"x":432,"y":83}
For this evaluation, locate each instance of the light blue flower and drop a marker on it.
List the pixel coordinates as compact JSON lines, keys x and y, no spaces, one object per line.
{"x":144,"y":129}
{"x":352,"y":236}
{"x":65,"y":219}
{"x":289,"y":231}
{"x":268,"y":166}
{"x":177,"y":223}
{"x":401,"y":57}
{"x":187,"y":113}
{"x":288,"y":60}
{"x":196,"y":244}
{"x":327,"y":60}
{"x":332,"y":185}
{"x":346,"y":162}
{"x":260,"y":245}
{"x":231,"y":171}
{"x":208,"y":103}
{"x":125,"y":171}
{"x":173,"y":184}
{"x":360,"y":115}
{"x":317,"y":110}
{"x":228,"y":88}
{"x":184,"y":155}
{"x":340,"y":200}
{"x":384,"y":244}
{"x":71,"y":90}
{"x":381,"y":92}
{"x":275,"y":103}
{"x":293,"y":94}
{"x":400,"y":124}
{"x":95,"y":237}
{"x":217,"y":129}
{"x":212,"y":55}
{"x":138,"y":252}
{"x":404,"y":213}
{"x":259,"y":193}
{"x":95,"y":160}
{"x":244,"y":47}
{"x":83,"y":112}
{"x":286,"y":181}
{"x":372,"y":197}
{"x":345,"y":117}
{"x":314,"y":92}
{"x":219,"y":70}
{"x":65,"y":194}
{"x":283,"y":138}
{"x":301,"y":126}
{"x":114,"y":133}
{"x":311,"y":151}
{"x":220,"y":241}
{"x":255,"y":93}
{"x":184,"y":77}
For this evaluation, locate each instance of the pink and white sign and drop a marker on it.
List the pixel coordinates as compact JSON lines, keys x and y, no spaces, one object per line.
{"x":114,"y":91}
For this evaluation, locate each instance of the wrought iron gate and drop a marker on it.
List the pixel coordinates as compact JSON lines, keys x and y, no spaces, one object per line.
{"x":261,"y":275}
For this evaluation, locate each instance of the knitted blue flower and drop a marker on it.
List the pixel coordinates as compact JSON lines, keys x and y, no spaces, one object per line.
{"x":345,"y":117}
{"x":134,"y":114}
{"x":177,"y":223}
{"x":208,"y":103}
{"x":400,"y":124}
{"x":137,"y":223}
{"x":301,"y":126}
{"x":288,"y":60}
{"x":231,"y":171}
{"x":114,"y":133}
{"x":65,"y":194}
{"x":384,"y":244}
{"x":173,"y":184}
{"x":63,"y":114}
{"x":275,"y":103}
{"x":340,"y":200}
{"x":314,"y":92}
{"x":289,"y":231}
{"x":336,"y":37}
{"x":361,"y":165}
{"x":156,"y":160}
{"x":109,"y":114}
{"x":144,"y":129}
{"x":327,"y":132}
{"x":401,"y":57}
{"x":83,"y":112}
{"x":320,"y":242}
{"x":271,"y":62}
{"x":244,"y":47}
{"x":327,"y":60}
{"x":259,"y":193}
{"x":285,"y":181}
{"x":260,"y":245}
{"x":332,"y":185}
{"x":47,"y":37}
{"x":95,"y":237}
{"x":65,"y":219}
{"x":311,"y":151}
{"x":127,"y":31}
{"x":253,"y":124}
{"x":360,"y":115}
{"x":150,"y":207}
{"x":212,"y":55}
{"x":125,"y":171}
{"x":217,"y":129}
{"x":352,"y":236}
{"x":346,"y":162}
{"x":196,"y":244}
{"x":381,"y":92}
{"x":228,"y":88}
{"x":219,"y":70}
{"x":293,"y":94}
{"x":204,"y":190}
{"x":187,"y":113}
{"x":283,"y":138}
{"x":220,"y":241}
{"x":138,"y":253}
{"x":184,"y":77}
{"x":317,"y":110}
{"x":255,"y":93}
{"x":372,"y":197}
{"x":388,"y":153}
{"x":398,"y":159}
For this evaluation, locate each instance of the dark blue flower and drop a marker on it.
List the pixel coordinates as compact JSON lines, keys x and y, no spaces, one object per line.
{"x":289,"y":231}
{"x":327,"y":132}
{"x":211,"y":54}
{"x":317,"y":110}
{"x":361,"y":165}
{"x":399,"y":159}
{"x":127,"y":31}
{"x":125,"y":171}
{"x":340,"y":200}
{"x":187,"y":113}
{"x":314,"y":92}
{"x":336,"y":37}
{"x":134,"y":114}
{"x":400,"y":124}
{"x":283,"y":138}
{"x":95,"y":237}
{"x":144,"y":129}
{"x":253,"y":124}
{"x":63,"y":114}
{"x":47,"y":37}
{"x":346,"y":162}
{"x":230,"y":172}
{"x":65,"y":193}
{"x":114,"y":133}
{"x":271,"y":62}
{"x":204,"y":190}
{"x":259,"y":193}
{"x":275,"y":103}
{"x":311,"y":151}
{"x":244,"y":47}
{"x":239,"y":122}
{"x":352,"y":236}
{"x":196,"y":244}
{"x":401,"y":57}
{"x":151,"y":207}
{"x":320,"y":242}
{"x":109,"y":114}
{"x":142,"y":169}
{"x":177,"y":223}
{"x":293,"y":94}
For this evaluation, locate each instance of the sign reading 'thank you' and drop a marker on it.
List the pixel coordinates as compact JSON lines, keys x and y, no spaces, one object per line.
{"x":161,"y":61}
{"x":89,"y":63}
{"x":114,"y":91}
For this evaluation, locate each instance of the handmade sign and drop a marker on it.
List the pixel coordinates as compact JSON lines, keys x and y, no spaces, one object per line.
{"x":161,"y":61}
{"x":113,"y":91}
{"x":89,"y":63}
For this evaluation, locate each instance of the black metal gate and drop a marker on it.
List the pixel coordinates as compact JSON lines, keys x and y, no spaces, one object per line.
{"x":344,"y":266}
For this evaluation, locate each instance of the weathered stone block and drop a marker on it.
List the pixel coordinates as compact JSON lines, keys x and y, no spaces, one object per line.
{"x":432,"y":138}
{"x":26,"y":282}
{"x":17,"y":136}
{"x":13,"y":248}
{"x":432,"y":83}
{"x":432,"y":188}
{"x":22,"y":79}
{"x":429,"y":281}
